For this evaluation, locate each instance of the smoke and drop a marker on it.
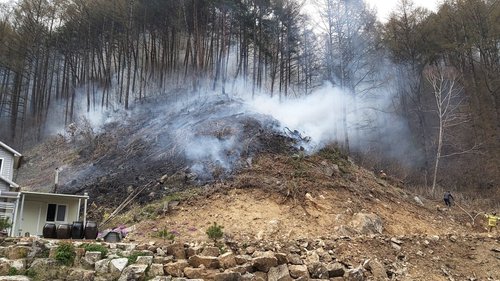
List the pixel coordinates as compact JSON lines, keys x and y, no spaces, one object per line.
{"x":318,"y":115}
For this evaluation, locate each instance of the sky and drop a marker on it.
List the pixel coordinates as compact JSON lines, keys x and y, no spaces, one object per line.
{"x":384,"y":7}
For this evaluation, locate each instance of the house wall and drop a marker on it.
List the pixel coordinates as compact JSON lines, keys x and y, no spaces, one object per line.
{"x":7,"y":163}
{"x":4,"y":186}
{"x":35,"y":213}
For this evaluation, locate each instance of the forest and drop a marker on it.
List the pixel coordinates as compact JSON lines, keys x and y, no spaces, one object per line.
{"x":440,"y":70}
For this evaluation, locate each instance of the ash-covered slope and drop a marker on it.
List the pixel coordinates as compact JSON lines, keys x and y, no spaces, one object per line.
{"x":180,"y":144}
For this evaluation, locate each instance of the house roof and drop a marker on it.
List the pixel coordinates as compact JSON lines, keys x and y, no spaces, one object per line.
{"x":84,"y":196}
{"x":11,"y":183}
{"x":10,"y":149}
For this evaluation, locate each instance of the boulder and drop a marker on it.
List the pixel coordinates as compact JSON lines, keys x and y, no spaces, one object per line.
{"x":227,"y":260}
{"x":199,"y":273}
{"x":162,"y":278}
{"x":207,"y":262}
{"x":227,"y":276}
{"x":210,"y":252}
{"x":295,"y":259}
{"x":191,"y":251}
{"x":118,"y":265}
{"x":147,"y":260}
{"x":134,"y":272}
{"x":176,"y":269}
{"x":364,"y":223}
{"x":78,"y":274}
{"x":335,"y":269}
{"x":176,"y":250}
{"x":17,"y":264}
{"x":45,"y":269}
{"x":264,"y":263}
{"x":102,"y":266}
{"x":355,"y":274}
{"x":297,"y":271}
{"x":242,"y":259}
{"x":156,"y":269}
{"x":282,"y":259}
{"x":279,"y":273}
{"x":318,"y":270}
{"x":18,"y":252}
{"x":377,"y":269}
{"x":90,"y":259}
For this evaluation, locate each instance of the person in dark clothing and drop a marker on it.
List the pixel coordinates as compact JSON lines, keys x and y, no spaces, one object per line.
{"x":447,"y":198}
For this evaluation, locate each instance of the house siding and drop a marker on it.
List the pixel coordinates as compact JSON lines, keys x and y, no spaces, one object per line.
{"x":4,"y":186}
{"x":35,"y":214}
{"x":7,"y":163}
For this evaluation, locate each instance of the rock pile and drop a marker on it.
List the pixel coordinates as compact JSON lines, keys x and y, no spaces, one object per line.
{"x":35,"y":259}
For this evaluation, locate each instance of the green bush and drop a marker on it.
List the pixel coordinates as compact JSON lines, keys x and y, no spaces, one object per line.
{"x":13,"y":271}
{"x":215,"y":232}
{"x":65,"y":253}
{"x":95,"y":248}
{"x":4,"y":223}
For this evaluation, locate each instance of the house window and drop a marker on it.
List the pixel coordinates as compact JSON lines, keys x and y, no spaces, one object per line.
{"x":1,"y":162}
{"x":56,"y":212}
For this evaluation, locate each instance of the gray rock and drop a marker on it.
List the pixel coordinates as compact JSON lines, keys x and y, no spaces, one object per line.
{"x":294,"y":259}
{"x":102,"y":266}
{"x":377,"y":269}
{"x":367,"y":223}
{"x":118,"y":265}
{"x":297,"y":271}
{"x":418,"y":200}
{"x":134,"y":272}
{"x":156,"y":269}
{"x":355,"y":274}
{"x":147,"y":260}
{"x":162,"y":278}
{"x":78,"y":274}
{"x":210,"y":252}
{"x":318,"y":270}
{"x":199,"y":273}
{"x":46,"y":269}
{"x":228,"y":276}
{"x":264,"y":263}
{"x":17,"y":264}
{"x":335,"y":269}
{"x":279,"y":273}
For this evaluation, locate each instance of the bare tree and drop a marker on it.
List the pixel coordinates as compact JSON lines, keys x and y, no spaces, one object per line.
{"x":449,"y":101}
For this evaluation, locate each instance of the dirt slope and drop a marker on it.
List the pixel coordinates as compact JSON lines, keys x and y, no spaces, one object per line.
{"x":259,"y":208}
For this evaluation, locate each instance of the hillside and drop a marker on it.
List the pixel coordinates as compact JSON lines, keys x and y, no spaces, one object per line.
{"x":257,"y":183}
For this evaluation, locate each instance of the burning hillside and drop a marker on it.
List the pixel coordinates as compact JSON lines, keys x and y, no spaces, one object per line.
{"x":158,"y":151}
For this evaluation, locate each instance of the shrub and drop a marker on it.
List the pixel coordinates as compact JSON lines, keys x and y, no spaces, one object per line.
{"x":95,"y":248}
{"x":215,"y":232}
{"x":4,"y":223}
{"x":13,"y":271}
{"x":65,"y":253}
{"x":165,"y":234}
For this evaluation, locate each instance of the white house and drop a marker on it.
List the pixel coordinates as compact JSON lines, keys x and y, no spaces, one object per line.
{"x":30,"y":211}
